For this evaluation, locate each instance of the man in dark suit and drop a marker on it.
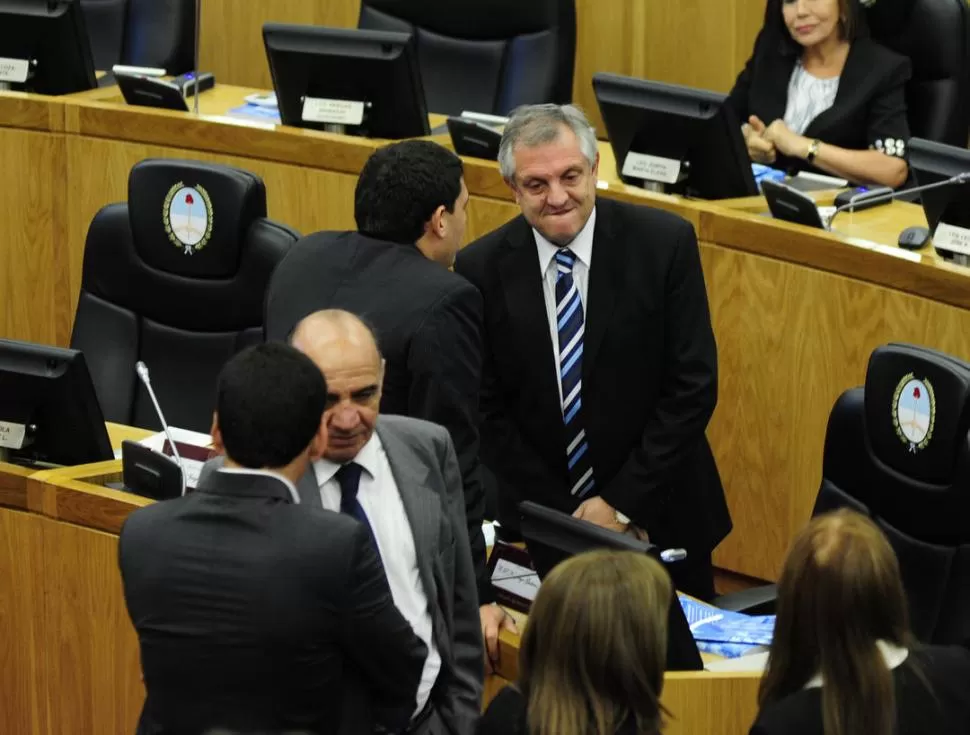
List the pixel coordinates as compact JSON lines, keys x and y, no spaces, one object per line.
{"x":409,"y":205}
{"x":253,"y":613}
{"x":600,"y":367}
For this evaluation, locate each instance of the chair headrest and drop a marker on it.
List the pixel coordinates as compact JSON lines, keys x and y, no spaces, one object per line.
{"x":472,"y":19}
{"x":916,"y":404}
{"x":190,"y":218}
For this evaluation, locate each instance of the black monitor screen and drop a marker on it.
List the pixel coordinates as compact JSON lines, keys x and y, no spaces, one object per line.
{"x":49,"y":413}
{"x":552,"y":536}
{"x":686,"y":141}
{"x":346,"y":80}
{"x":44,"y":47}
{"x":932,"y":163}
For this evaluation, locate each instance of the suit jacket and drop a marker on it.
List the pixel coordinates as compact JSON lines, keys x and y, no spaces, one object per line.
{"x":869,"y":109}
{"x":428,"y":323}
{"x":649,"y":376}
{"x":425,"y":469}
{"x":944,"y":709}
{"x":253,"y":613}
{"x":506,"y":715}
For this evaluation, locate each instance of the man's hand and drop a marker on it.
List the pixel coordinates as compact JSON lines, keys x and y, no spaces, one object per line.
{"x":494,"y":619}
{"x":598,"y":511}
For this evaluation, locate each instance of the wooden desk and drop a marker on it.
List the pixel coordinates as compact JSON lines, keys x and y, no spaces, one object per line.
{"x":639,"y":38}
{"x":796,"y":311}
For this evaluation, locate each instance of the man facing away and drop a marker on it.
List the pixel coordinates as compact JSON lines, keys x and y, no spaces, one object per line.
{"x":600,"y":367}
{"x":253,"y":613}
{"x":409,"y":205}
{"x":399,"y":477}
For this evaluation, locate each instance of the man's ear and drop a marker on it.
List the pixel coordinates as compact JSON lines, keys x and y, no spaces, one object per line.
{"x":596,"y":165}
{"x":437,"y":221}
{"x":217,"y":443}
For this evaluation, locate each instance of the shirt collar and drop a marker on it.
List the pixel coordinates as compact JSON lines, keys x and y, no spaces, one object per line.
{"x":892,"y":654}
{"x":367,"y":458}
{"x":582,"y":245}
{"x":263,"y":473}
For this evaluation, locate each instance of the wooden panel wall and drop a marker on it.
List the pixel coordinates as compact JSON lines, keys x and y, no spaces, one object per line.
{"x":700,"y":43}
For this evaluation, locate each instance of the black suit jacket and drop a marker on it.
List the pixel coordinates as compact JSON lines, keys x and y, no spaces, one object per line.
{"x":254,"y":613}
{"x":428,"y":322}
{"x":944,"y":710}
{"x":649,"y":375}
{"x":869,"y":109}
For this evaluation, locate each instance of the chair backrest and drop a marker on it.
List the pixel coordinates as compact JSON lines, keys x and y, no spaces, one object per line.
{"x":898,"y":450}
{"x":156,"y":33}
{"x":935,"y":35}
{"x":485,"y":56}
{"x":175,"y":277}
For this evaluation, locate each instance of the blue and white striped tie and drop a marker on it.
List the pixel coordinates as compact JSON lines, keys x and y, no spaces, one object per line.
{"x":570,"y":323}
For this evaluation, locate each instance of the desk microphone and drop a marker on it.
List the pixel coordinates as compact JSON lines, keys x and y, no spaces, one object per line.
{"x":142,"y":370}
{"x":861,"y":197}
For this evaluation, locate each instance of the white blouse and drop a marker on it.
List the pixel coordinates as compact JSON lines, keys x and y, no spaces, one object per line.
{"x":808,"y":97}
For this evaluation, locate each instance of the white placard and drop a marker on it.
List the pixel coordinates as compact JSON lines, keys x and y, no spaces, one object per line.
{"x":651,"y":168}
{"x":12,"y":435}
{"x":334,"y":112}
{"x":14,"y":70}
{"x":515,"y":578}
{"x":952,"y":238}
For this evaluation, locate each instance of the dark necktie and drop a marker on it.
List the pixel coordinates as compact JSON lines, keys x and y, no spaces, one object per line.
{"x":348,"y":476}
{"x":570,"y":324}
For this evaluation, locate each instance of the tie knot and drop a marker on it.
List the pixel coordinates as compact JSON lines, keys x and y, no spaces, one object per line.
{"x":348,"y":476}
{"x":565,"y":259}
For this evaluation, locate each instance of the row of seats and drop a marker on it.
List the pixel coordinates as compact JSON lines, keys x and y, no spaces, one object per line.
{"x":492,"y":57}
{"x":177,"y":276}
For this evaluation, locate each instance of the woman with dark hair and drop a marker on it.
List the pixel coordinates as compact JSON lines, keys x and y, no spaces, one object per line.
{"x":843,"y":660}
{"x":592,"y":656}
{"x":818,"y":93}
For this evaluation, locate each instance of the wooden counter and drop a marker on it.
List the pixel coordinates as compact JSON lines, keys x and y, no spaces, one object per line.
{"x":796,"y":311}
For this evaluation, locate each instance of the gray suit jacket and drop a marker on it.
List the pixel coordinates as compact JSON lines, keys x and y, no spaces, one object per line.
{"x":425,"y":468}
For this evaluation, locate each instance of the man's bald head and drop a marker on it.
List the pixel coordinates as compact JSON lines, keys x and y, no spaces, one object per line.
{"x":346,"y":351}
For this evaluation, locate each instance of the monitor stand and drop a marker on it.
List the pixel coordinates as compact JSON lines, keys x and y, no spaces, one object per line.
{"x":5,"y":86}
{"x":334,"y":128}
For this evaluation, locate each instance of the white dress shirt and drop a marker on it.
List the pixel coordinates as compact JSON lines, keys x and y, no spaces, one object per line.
{"x":263,"y":473}
{"x":582,"y":247}
{"x":379,"y":497}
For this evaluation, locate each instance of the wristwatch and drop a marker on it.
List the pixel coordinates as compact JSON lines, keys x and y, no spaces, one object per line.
{"x":813,"y":150}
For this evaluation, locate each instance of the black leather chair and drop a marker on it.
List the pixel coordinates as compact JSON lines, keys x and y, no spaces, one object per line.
{"x":485,"y":56}
{"x":898,"y":450}
{"x":156,"y":33}
{"x":935,"y":35}
{"x":175,"y":277}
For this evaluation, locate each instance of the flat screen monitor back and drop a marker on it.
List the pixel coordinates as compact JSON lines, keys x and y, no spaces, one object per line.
{"x":552,"y":537}
{"x":49,"y":389}
{"x":346,"y":80}
{"x":678,"y":124}
{"x":933,"y":162}
{"x":52,"y":38}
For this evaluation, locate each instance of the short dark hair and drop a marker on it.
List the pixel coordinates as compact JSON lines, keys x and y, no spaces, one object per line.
{"x":270,"y":399}
{"x":401,"y":186}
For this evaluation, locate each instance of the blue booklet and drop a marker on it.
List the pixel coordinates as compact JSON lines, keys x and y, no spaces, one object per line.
{"x":726,"y":633}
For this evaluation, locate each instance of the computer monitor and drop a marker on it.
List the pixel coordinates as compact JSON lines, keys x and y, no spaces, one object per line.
{"x":947,"y":208}
{"x":347,"y":81}
{"x":44,"y":47}
{"x":675,"y":139}
{"x":552,"y":536}
{"x":49,"y":412}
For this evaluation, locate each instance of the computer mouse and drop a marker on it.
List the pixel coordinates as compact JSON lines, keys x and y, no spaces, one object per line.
{"x":913,"y":238}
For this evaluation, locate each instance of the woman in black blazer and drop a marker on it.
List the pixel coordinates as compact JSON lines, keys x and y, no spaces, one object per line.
{"x":843,"y":660}
{"x":592,"y":656}
{"x":818,"y":93}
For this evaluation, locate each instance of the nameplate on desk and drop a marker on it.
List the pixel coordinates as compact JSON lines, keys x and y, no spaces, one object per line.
{"x":651,"y":168}
{"x":332,"y":112}
{"x":952,"y":238}
{"x":14,"y":70}
{"x":514,"y":579}
{"x":12,"y":435}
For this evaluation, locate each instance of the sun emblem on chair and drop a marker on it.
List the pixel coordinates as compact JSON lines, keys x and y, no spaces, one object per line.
{"x":187,"y":214}
{"x":914,"y":412}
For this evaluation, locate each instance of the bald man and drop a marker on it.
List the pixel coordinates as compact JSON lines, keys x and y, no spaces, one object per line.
{"x":399,"y":478}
